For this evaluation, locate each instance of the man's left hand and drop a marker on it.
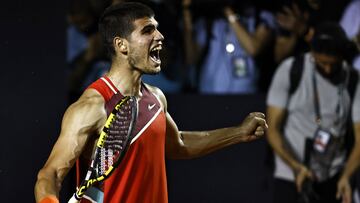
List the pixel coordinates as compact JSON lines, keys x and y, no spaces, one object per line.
{"x":344,"y":190}
{"x":254,"y":126}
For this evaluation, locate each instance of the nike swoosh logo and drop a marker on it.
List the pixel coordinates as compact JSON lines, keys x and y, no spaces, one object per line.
{"x":151,"y":106}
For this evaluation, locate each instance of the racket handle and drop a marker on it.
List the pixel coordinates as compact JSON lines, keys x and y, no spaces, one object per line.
{"x":73,"y":199}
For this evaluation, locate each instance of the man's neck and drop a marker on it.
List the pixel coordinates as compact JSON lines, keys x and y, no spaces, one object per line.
{"x":126,"y":79}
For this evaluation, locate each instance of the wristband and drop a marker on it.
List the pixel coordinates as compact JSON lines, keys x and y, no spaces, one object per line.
{"x":49,"y":199}
{"x":232,"y":18}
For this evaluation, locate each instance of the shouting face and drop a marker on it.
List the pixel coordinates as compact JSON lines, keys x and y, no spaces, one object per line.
{"x":145,"y":44}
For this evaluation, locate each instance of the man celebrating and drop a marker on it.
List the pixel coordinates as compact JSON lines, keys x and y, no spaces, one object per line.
{"x":130,"y":33}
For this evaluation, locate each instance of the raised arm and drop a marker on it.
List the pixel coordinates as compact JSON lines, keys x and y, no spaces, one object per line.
{"x":191,"y":144}
{"x":295,"y":21}
{"x":192,"y":49}
{"x":253,"y":43}
{"x":81,"y":120}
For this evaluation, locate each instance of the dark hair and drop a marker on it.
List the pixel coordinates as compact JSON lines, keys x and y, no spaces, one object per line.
{"x":329,"y":38}
{"x":118,"y":19}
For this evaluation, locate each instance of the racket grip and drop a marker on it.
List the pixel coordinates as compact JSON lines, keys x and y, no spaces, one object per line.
{"x":73,"y":199}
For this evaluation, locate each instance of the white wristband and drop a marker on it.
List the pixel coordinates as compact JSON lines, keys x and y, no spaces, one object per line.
{"x":232,"y":18}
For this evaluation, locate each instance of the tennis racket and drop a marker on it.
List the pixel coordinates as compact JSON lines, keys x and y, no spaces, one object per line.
{"x":111,"y":146}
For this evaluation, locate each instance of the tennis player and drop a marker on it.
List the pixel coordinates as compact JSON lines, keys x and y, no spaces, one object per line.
{"x":129,"y":31}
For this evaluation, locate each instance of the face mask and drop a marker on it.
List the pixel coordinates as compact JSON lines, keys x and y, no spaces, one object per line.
{"x":336,"y":74}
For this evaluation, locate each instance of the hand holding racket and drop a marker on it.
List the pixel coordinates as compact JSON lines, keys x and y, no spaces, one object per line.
{"x":112,"y":145}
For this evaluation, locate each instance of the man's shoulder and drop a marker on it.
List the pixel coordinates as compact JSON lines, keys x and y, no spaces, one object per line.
{"x":155,"y":90}
{"x":92,"y":95}
{"x":88,"y":111}
{"x":90,"y":98}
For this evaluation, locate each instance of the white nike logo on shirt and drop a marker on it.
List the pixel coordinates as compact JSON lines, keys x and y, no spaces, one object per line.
{"x":151,"y":106}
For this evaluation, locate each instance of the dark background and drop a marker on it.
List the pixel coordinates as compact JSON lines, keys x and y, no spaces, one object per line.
{"x":33,"y":87}
{"x":32,"y":52}
{"x":239,"y":173}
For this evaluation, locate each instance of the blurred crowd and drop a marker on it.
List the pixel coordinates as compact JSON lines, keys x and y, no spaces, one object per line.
{"x":212,"y":46}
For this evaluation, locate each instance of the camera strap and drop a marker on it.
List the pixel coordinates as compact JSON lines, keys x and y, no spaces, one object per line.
{"x":316,"y":100}
{"x":317,"y":103}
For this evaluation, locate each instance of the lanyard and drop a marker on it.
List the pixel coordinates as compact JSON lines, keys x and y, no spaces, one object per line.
{"x":316,"y":100}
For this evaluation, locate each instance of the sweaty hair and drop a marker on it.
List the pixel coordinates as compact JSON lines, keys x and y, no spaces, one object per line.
{"x":329,"y":38}
{"x":118,"y":19}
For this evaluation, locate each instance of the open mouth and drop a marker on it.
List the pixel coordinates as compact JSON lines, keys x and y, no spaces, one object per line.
{"x":155,"y":54}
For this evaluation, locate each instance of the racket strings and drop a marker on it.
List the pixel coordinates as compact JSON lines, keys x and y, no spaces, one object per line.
{"x":118,"y":133}
{"x":107,"y":157}
{"x":102,"y":166}
{"x":112,"y":145}
{"x":118,"y":136}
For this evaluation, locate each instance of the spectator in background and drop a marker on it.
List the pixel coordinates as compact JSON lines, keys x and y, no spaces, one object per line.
{"x":225,"y":45}
{"x":292,"y":38}
{"x":350,"y":22}
{"x":295,"y":19}
{"x":311,"y":120}
{"x":85,"y":54}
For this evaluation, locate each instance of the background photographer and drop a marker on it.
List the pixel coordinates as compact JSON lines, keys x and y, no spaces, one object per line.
{"x":225,"y":43}
{"x":315,"y":117}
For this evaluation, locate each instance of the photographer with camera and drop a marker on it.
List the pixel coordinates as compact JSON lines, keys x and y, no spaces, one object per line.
{"x":313,"y":110}
{"x":225,"y":42}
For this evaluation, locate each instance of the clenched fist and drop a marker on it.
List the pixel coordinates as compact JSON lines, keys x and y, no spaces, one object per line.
{"x":253,"y":126}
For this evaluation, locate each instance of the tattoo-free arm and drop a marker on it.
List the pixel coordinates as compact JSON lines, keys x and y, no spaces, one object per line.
{"x":275,"y":118}
{"x":81,"y":119}
{"x":192,"y":49}
{"x":191,"y":144}
{"x":253,"y":43}
{"x":343,"y":185}
{"x":354,"y":159}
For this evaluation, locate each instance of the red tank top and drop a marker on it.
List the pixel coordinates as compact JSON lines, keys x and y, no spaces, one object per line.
{"x":141,"y":176}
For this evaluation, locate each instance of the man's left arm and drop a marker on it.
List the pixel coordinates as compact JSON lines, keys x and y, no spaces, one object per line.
{"x":344,"y":188}
{"x":191,"y":144}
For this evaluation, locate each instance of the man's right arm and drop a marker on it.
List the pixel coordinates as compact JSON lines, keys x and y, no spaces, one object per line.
{"x":275,"y":117}
{"x":82,"y":119}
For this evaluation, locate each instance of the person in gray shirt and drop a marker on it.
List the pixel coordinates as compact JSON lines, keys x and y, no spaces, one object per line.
{"x":316,"y":112}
